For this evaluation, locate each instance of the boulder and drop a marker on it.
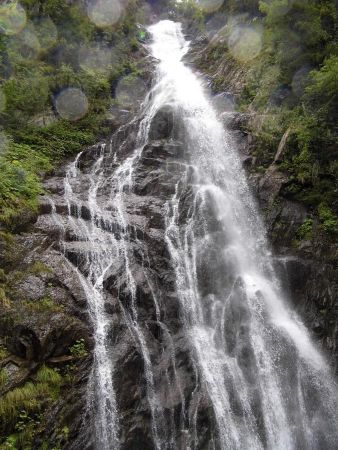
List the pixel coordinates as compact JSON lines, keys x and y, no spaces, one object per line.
{"x":162,"y":124}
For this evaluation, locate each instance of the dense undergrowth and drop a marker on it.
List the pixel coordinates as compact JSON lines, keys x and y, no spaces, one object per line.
{"x":287,"y":55}
{"x":46,"y":47}
{"x":20,"y":407}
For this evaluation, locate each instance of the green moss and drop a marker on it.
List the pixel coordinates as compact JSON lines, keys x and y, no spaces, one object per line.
{"x":3,"y":277}
{"x":4,"y":301}
{"x":43,"y":305}
{"x":305,"y":230}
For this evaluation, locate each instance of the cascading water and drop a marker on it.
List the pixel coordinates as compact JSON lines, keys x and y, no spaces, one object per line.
{"x":254,"y":355}
{"x":263,"y":382}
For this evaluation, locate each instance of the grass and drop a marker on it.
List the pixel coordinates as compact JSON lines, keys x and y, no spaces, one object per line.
{"x":3,"y":377}
{"x":38,"y":267}
{"x":31,"y":396}
{"x":43,"y":305}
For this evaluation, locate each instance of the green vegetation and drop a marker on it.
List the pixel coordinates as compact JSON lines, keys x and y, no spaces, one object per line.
{"x":20,"y":408}
{"x":329,"y":220}
{"x":45,"y":304}
{"x":78,"y":349}
{"x":305,"y":230}
{"x":3,"y":378}
{"x":189,"y":10}
{"x":46,"y":47}
{"x":38,"y":267}
{"x":3,"y":352}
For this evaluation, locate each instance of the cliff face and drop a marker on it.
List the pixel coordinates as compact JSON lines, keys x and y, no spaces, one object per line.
{"x":46,"y":335}
{"x":48,"y":321}
{"x":44,"y":310}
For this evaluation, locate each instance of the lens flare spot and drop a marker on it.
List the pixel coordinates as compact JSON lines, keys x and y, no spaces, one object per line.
{"x":71,"y":104}
{"x":46,"y":32}
{"x":12,"y":18}
{"x":209,"y":6}
{"x":130,"y":91}
{"x":279,"y":95}
{"x":144,"y":13}
{"x":2,"y":101}
{"x":104,"y":13}
{"x":245,"y":43}
{"x":95,"y":58}
{"x":215,"y":24}
{"x":25,"y":44}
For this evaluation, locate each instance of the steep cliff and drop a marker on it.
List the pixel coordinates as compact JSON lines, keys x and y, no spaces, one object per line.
{"x":47,"y":48}
{"x":46,"y":330}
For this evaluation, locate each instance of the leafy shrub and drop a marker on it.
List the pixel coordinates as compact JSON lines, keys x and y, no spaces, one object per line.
{"x":26,"y":95}
{"x":19,"y":183}
{"x":305,"y":230}
{"x":78,"y":349}
{"x":328,"y":219}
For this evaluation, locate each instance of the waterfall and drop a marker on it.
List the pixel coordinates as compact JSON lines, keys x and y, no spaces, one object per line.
{"x":258,"y":380}
{"x":246,"y":341}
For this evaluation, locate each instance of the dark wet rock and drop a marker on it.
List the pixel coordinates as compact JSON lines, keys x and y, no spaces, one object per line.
{"x":162,"y":124}
{"x":41,"y":335}
{"x":271,"y":184}
{"x":234,"y":120}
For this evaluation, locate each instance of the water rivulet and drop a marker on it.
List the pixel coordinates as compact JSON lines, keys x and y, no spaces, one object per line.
{"x":195,"y":346}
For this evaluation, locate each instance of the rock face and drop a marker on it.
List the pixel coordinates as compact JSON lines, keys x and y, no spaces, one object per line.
{"x":47,"y":337}
{"x":146,"y":322}
{"x":155,"y":380}
{"x":51,"y":257}
{"x":41,"y":318}
{"x":305,"y":266}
